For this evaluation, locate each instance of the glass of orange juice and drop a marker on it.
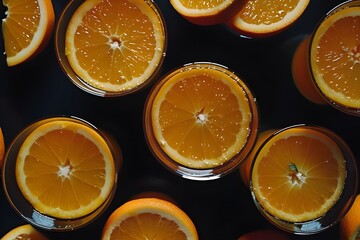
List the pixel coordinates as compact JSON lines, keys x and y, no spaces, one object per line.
{"x":201,"y":120}
{"x":60,"y":173}
{"x":303,"y":178}
{"x":326,"y":64}
{"x":111,"y":48}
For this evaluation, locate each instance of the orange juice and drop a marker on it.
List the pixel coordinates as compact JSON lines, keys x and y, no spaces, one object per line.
{"x":201,"y":120}
{"x":60,"y":173}
{"x":326,"y":66}
{"x":299,"y":174}
{"x":115,"y":54}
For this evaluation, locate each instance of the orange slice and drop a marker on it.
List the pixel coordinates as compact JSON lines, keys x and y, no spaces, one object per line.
{"x":202,"y":116}
{"x":299,"y":174}
{"x":335,"y":57}
{"x":350,"y":224}
{"x":206,"y":12}
{"x":2,"y":148}
{"x":115,"y":45}
{"x":65,"y":169}
{"x":24,"y":232}
{"x":27,"y":28}
{"x":149,"y":218}
{"x":259,"y":18}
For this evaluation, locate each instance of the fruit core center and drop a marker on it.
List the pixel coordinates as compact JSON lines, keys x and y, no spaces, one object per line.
{"x":201,"y":117}
{"x":353,"y":53}
{"x":295,"y":176}
{"x":65,"y":170}
{"x":114,"y":42}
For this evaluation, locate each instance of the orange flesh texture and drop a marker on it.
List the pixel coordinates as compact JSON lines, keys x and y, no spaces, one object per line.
{"x":216,"y":16}
{"x":21,"y":28}
{"x":302,"y":75}
{"x":138,"y":219}
{"x":256,"y":11}
{"x":322,"y":169}
{"x":149,"y":225}
{"x":335,"y":57}
{"x":24,"y":232}
{"x":266,"y":13}
{"x":201,"y":91}
{"x":115,"y":41}
{"x":350,"y":224}
{"x":64,"y":169}
{"x":22,"y":22}
{"x":245,"y":167}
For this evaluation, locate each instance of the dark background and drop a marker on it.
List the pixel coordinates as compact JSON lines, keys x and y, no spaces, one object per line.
{"x":221,"y":209}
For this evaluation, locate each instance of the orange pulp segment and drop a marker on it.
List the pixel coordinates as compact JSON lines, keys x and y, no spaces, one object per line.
{"x":115,"y":45}
{"x":335,"y":57}
{"x":27,"y":27}
{"x":65,"y":169}
{"x":299,"y":174}
{"x":2,"y":148}
{"x":258,"y":18}
{"x":149,"y":218}
{"x":24,"y":232}
{"x":350,"y":224}
{"x":206,"y":12}
{"x":201,"y":116}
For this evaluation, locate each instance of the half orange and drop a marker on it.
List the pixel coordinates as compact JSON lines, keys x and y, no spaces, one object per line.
{"x":350,"y":224}
{"x":27,"y":27}
{"x":24,"y":232}
{"x":206,"y":12}
{"x":149,"y":218}
{"x":259,"y":18}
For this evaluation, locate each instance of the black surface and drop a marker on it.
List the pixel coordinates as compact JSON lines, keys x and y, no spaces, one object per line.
{"x":221,"y":209}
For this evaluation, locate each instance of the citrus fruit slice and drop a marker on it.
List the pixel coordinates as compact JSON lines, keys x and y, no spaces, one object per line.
{"x":299,"y":174}
{"x":335,"y":57}
{"x":2,"y":148}
{"x":115,"y":45}
{"x":201,"y":116}
{"x":258,"y":18}
{"x":65,"y":169}
{"x":27,"y":28}
{"x":350,"y":224}
{"x":206,"y":12}
{"x":149,"y":218}
{"x":24,"y":232}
